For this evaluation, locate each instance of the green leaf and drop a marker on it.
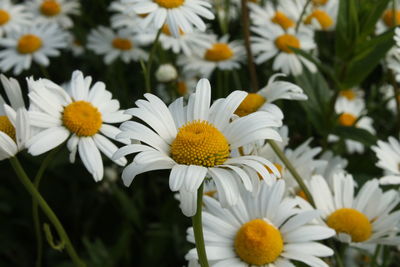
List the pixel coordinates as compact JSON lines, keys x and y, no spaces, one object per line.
{"x":368,"y":56}
{"x":370,"y":12}
{"x":356,"y":134}
{"x":347,"y":28}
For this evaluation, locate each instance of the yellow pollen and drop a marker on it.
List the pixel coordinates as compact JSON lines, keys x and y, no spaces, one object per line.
{"x":347,"y":119}
{"x":165,"y":30}
{"x":219,"y":52}
{"x":322,"y":17}
{"x":285,"y":41}
{"x":200,"y":143}
{"x":6,"y":127}
{"x":210,"y":193}
{"x":82,"y":118}
{"x":4,"y":17}
{"x":281,"y":19}
{"x":351,"y":222}
{"x":250,"y":104}
{"x":50,"y":8}
{"x":181,"y":88}
{"x":388,"y":18}
{"x":122,"y":44}
{"x":258,"y":242}
{"x":302,"y":195}
{"x":170,"y":3}
{"x":349,"y":94}
{"x":320,"y":2}
{"x":28,"y":44}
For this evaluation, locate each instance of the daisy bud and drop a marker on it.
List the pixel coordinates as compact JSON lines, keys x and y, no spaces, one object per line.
{"x":166,"y":73}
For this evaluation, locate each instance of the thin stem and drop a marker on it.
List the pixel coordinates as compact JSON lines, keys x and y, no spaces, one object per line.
{"x":35,"y":210}
{"x":292,"y":170}
{"x":46,"y":209}
{"x":198,"y":229}
{"x":302,"y":15}
{"x":375,"y":257}
{"x":246,"y":36}
{"x":147,"y":72}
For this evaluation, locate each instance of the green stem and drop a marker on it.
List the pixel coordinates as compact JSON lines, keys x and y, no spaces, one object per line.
{"x":147,"y":72}
{"x":46,"y":209}
{"x":375,"y":257}
{"x":302,"y":15}
{"x":292,"y":170}
{"x":246,"y":36}
{"x":198,"y":229}
{"x":35,"y":210}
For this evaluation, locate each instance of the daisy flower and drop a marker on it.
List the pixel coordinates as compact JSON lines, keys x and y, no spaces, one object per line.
{"x":274,"y":42}
{"x":80,"y":115}
{"x":393,"y":62}
{"x":185,"y":42}
{"x":388,"y":154}
{"x":54,"y":11}
{"x":221,"y":54}
{"x":75,"y":46}
{"x":34,"y":43}
{"x":14,"y":120}
{"x":322,"y":16}
{"x":388,"y":93}
{"x":262,"y":230}
{"x":196,"y":142}
{"x":177,"y":14}
{"x":123,"y":44}
{"x":361,"y":219}
{"x":274,"y":90}
{"x":351,"y":94}
{"x":389,"y":18}
{"x":285,"y":14}
{"x":352,"y":115}
{"x":334,"y":165}
{"x":12,"y":17}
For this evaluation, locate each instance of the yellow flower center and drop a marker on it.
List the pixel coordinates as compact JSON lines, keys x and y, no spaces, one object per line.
{"x":258,"y":242}
{"x":347,"y":119}
{"x":320,"y":2}
{"x":351,"y":222}
{"x":322,"y":17}
{"x":389,"y":19}
{"x":4,"y":17}
{"x":170,"y":3}
{"x":50,"y":8}
{"x":166,"y":31}
{"x":281,"y":19}
{"x":181,"y":88}
{"x":349,"y":94}
{"x":82,"y":118}
{"x":219,"y":52}
{"x":6,"y":127}
{"x":250,"y":104}
{"x":210,"y":193}
{"x":302,"y":195}
{"x":29,"y":43}
{"x":285,"y":41}
{"x":122,"y":44}
{"x":200,"y":143}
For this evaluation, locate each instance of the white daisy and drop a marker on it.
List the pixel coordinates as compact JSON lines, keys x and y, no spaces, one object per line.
{"x":54,"y":11}
{"x":361,"y":219}
{"x":389,"y":18}
{"x":34,"y":43}
{"x":195,"y":142}
{"x":221,"y":54}
{"x":177,"y":14}
{"x":125,"y":17}
{"x":14,"y":120}
{"x":334,"y":165}
{"x":393,"y":62}
{"x":322,"y":16}
{"x":388,"y":154}
{"x":263,"y":230}
{"x":274,"y":90}
{"x":285,"y":14}
{"x":123,"y":44}
{"x":352,"y":94}
{"x":12,"y":17}
{"x":352,"y":114}
{"x":274,"y":42}
{"x":387,"y":90}
{"x":80,"y":115}
{"x":75,"y":46}
{"x":185,"y":42}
